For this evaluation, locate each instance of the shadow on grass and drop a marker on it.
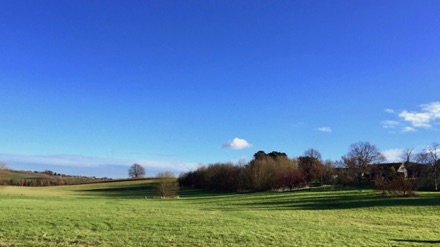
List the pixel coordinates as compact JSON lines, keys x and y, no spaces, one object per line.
{"x":191,"y":193}
{"x":123,"y":191}
{"x":308,"y":200}
{"x":332,"y":201}
{"x":417,"y":241}
{"x":145,"y":190}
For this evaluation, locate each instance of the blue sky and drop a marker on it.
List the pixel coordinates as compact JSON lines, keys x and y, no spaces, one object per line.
{"x":90,"y":87}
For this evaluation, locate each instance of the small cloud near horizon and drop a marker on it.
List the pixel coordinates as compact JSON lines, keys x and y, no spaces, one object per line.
{"x":237,"y":143}
{"x":325,"y":129}
{"x":392,"y":155}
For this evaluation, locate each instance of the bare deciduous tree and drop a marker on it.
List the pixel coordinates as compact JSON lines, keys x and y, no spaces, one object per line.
{"x":430,"y":156}
{"x":360,"y":156}
{"x":329,"y":171}
{"x":2,"y":166}
{"x":136,"y":171}
{"x":313,"y":153}
{"x":312,"y":165}
{"x":407,"y":155}
{"x":3,"y":171}
{"x":167,"y":185}
{"x":312,"y":168}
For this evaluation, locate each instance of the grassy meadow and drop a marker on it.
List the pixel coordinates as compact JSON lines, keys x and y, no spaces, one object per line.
{"x":117,"y":214}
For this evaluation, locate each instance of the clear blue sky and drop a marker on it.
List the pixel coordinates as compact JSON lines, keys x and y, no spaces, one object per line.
{"x":91,"y":87}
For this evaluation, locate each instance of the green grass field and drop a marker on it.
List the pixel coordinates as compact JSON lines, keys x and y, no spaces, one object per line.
{"x":117,"y":214}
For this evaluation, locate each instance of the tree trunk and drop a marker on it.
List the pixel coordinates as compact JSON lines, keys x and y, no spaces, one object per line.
{"x":435,"y":177}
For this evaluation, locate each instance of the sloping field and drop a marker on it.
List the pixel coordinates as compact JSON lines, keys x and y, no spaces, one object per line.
{"x":117,"y":214}
{"x":11,"y":174}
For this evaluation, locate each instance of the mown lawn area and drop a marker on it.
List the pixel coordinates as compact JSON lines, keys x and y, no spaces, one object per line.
{"x":117,"y":214}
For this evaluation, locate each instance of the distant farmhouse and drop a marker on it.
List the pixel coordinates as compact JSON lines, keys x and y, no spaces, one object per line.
{"x":409,"y":170}
{"x":405,"y":169}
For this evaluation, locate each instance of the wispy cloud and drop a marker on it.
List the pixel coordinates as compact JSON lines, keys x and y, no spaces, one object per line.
{"x":389,"y":110}
{"x":417,"y":119}
{"x":325,"y":129}
{"x":410,"y":121}
{"x":408,"y":129}
{"x":85,"y":165}
{"x":237,"y":143}
{"x":60,"y":160}
{"x":297,"y":125}
{"x":390,"y":124}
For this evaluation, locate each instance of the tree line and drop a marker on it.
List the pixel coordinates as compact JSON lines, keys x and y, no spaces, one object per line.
{"x":266,"y":171}
{"x":276,"y":171}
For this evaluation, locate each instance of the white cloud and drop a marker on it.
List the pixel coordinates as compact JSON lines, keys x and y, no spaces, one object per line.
{"x":237,"y":143}
{"x":433,"y":109}
{"x":408,"y":129}
{"x":389,"y":111}
{"x":325,"y":129}
{"x":413,"y":120}
{"x":425,"y":118}
{"x":390,"y":124}
{"x":417,"y":119}
{"x":392,"y":155}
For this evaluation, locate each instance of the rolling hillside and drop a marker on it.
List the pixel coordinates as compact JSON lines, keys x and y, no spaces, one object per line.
{"x":118,"y":214}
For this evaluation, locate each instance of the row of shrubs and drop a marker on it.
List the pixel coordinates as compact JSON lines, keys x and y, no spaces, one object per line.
{"x":40,"y":182}
{"x":396,"y":186}
{"x":232,"y":178}
{"x":272,"y":171}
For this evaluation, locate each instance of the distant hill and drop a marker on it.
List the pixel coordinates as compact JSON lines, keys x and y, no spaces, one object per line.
{"x":44,"y":178}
